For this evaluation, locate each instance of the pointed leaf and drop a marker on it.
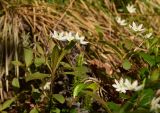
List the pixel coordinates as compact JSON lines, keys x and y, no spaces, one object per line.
{"x":7,"y":104}
{"x":39,"y":48}
{"x":78,"y":89}
{"x":80,"y":59}
{"x":36,"y":75}
{"x":113,"y":106}
{"x":146,"y":97}
{"x":15,"y":83}
{"x":34,"y":110}
{"x":28,"y":56}
{"x":39,"y":61}
{"x":59,"y":98}
{"x":93,"y":86}
{"x":155,"y":75}
{"x":55,"y":56}
{"x":148,"y":58}
{"x":56,"y":110}
{"x":126,"y":64}
{"x":17,"y":63}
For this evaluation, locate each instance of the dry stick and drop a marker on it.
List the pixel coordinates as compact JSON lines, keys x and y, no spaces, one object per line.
{"x":1,"y":84}
{"x":6,"y":56}
{"x":34,"y":20}
{"x":16,"y":49}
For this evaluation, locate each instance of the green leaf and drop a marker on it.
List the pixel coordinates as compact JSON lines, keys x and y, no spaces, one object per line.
{"x":113,"y":106}
{"x":55,"y":56}
{"x":59,"y":98}
{"x":15,"y":83}
{"x":28,"y":56}
{"x":80,"y":60}
{"x":56,"y":110}
{"x":7,"y":104}
{"x":39,"y":49}
{"x":124,"y":96}
{"x":78,"y":71}
{"x":99,"y":31}
{"x":73,"y":110}
{"x":140,"y":110}
{"x":155,"y":75}
{"x":69,"y":47}
{"x":66,"y":65}
{"x":126,"y":64}
{"x":148,"y":58}
{"x":36,"y":75}
{"x":39,"y":61}
{"x":93,"y":86}
{"x":78,"y":89}
{"x":146,"y":97}
{"x":143,"y":72}
{"x":17,"y":63}
{"x":34,"y":110}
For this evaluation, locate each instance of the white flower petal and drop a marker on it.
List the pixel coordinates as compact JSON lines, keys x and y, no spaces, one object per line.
{"x":115,"y":86}
{"x":127,"y":82}
{"x":47,"y":86}
{"x":120,"y":21}
{"x":84,"y":42}
{"x":121,"y":81}
{"x":54,"y":34}
{"x":155,"y":106}
{"x":119,"y":86}
{"x":64,"y":38}
{"x":136,"y":28}
{"x":131,"y":8}
{"x":135,"y":83}
{"x":148,"y":35}
{"x":116,"y":81}
{"x":138,"y":88}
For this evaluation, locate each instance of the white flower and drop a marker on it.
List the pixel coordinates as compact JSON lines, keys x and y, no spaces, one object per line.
{"x":123,"y":85}
{"x":120,"y":21}
{"x":120,"y":87}
{"x":68,"y":37}
{"x":131,"y":8}
{"x":59,"y":36}
{"x":133,"y":86}
{"x":62,"y":37}
{"x":136,"y":28}
{"x":155,"y":106}
{"x":129,"y":85}
{"x":47,"y":86}
{"x":148,"y":35}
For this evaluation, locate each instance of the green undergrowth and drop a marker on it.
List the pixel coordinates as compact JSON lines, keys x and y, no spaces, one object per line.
{"x":40,"y":73}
